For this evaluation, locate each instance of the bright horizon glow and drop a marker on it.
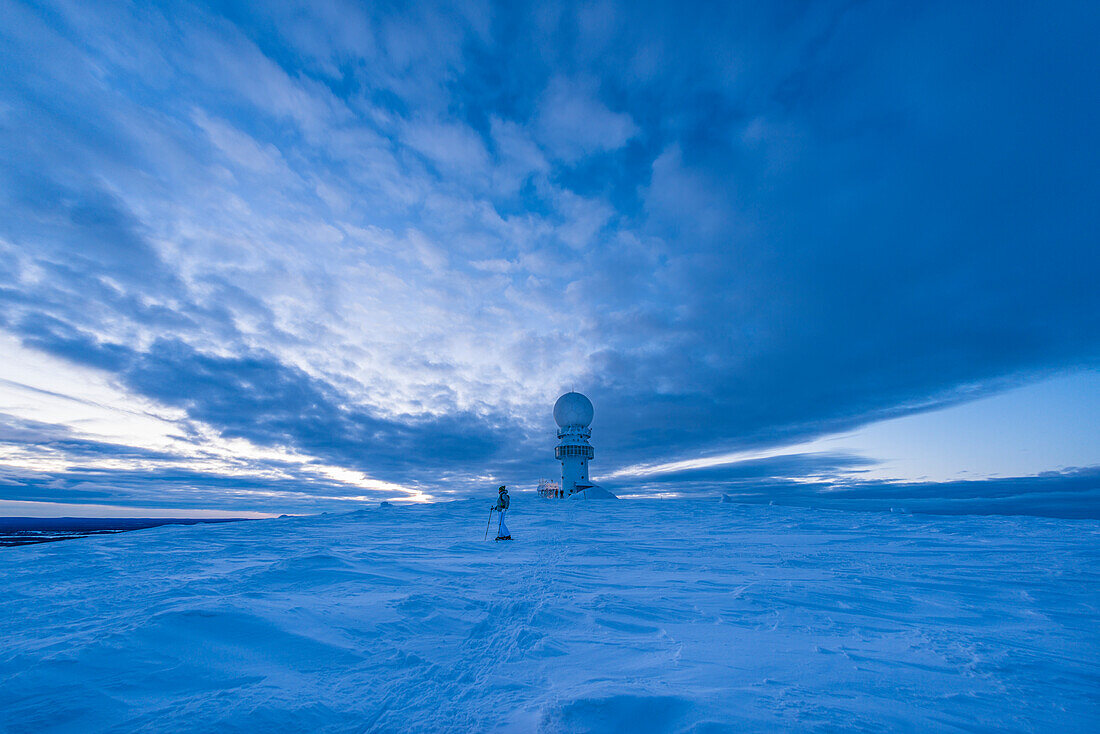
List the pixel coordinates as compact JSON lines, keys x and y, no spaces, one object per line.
{"x":1049,"y":425}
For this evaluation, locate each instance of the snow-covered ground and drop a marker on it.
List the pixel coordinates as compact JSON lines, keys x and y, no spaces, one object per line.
{"x":600,"y":616}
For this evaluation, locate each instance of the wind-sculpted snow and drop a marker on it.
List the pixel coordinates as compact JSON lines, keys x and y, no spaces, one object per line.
{"x":622,"y":616}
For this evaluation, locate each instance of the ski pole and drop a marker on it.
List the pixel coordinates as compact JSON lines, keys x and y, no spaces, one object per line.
{"x":489,"y":523}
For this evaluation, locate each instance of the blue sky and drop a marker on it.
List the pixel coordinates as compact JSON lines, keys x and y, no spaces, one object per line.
{"x":292,"y":258}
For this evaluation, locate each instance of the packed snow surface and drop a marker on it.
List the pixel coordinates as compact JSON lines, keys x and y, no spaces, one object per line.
{"x":605,"y":616}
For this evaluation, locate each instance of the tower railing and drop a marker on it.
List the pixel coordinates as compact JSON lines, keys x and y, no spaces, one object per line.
{"x":573,"y":450}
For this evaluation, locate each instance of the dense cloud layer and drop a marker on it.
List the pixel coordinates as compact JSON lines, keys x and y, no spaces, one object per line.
{"x":385,"y":239}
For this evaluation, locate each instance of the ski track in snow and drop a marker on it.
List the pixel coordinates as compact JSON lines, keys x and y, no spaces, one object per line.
{"x":600,"y":616}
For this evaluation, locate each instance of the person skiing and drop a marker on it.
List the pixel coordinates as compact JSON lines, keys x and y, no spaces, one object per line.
{"x":501,"y":507}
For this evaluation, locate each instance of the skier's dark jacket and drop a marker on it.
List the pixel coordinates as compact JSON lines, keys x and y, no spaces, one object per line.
{"x":503,"y":501}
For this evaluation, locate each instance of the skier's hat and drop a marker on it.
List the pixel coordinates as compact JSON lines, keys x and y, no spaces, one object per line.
{"x":502,"y":489}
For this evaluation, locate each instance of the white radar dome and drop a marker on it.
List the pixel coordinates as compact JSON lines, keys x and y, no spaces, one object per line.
{"x":573,"y":409}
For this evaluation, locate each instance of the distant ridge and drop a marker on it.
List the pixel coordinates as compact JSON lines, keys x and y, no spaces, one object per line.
{"x":26,"y":530}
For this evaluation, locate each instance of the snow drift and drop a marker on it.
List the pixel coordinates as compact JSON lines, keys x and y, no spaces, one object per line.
{"x":594,"y":492}
{"x":611,"y":616}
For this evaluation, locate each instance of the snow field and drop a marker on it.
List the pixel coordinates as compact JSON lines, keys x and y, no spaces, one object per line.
{"x":600,"y":616}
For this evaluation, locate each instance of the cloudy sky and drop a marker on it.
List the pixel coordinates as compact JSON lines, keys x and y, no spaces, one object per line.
{"x":273,"y":258}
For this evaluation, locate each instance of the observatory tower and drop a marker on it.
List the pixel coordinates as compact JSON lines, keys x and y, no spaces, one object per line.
{"x":573,"y":414}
